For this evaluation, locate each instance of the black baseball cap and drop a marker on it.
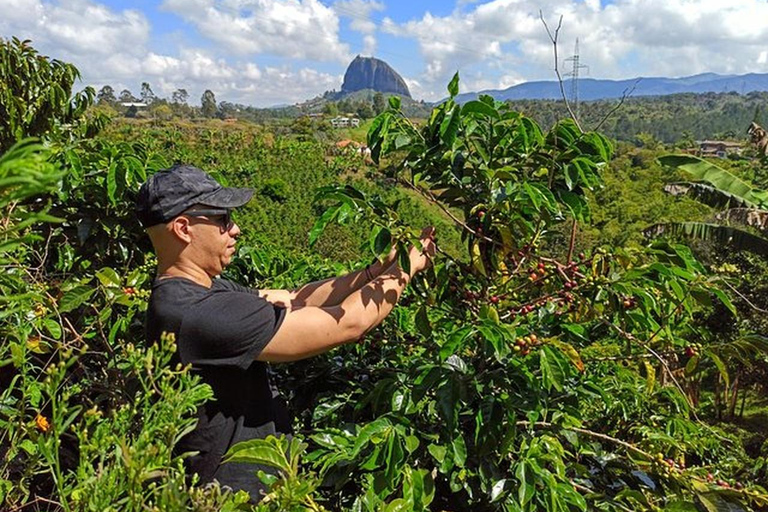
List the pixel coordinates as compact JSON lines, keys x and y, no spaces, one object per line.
{"x":169,"y":192}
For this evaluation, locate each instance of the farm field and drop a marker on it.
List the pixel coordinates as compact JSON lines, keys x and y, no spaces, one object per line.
{"x":587,"y":338}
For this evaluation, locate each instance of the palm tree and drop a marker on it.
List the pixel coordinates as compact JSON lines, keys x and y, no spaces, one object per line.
{"x":741,"y":204}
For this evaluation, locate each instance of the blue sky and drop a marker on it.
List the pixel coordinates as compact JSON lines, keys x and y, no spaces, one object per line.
{"x":267,"y":52}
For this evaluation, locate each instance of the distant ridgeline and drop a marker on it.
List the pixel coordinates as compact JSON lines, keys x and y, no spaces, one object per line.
{"x":594,"y":89}
{"x":371,"y":73}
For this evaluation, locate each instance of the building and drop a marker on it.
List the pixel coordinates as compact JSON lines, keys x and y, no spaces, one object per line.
{"x":345,"y":122}
{"x":719,"y":148}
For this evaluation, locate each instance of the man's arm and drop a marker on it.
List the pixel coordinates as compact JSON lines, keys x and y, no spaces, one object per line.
{"x":310,"y":330}
{"x":329,"y":292}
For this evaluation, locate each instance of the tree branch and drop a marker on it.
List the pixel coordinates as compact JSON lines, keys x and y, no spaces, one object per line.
{"x":553,"y":38}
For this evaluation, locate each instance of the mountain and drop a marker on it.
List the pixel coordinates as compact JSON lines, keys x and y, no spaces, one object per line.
{"x":371,"y":73}
{"x":593,"y":89}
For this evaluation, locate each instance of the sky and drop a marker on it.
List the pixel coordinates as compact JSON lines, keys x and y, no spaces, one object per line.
{"x":278,"y":52}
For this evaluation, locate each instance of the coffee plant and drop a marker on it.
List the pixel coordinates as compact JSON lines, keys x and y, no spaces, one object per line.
{"x":523,"y":376}
{"x":518,"y":373}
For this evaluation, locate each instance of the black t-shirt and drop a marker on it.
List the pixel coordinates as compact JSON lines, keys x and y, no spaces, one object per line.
{"x":220,"y":331}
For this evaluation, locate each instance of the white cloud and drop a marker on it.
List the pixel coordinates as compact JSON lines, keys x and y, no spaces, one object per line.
{"x":196,"y":71}
{"x":75,"y":27}
{"x":304,"y":29}
{"x":112,"y":47}
{"x":494,"y":44}
{"x":359,"y":12}
{"x":621,"y":40}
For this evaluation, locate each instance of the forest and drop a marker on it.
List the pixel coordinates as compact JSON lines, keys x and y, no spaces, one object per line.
{"x":590,"y":336}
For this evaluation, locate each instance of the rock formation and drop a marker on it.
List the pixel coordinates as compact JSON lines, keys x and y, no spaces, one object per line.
{"x":371,"y":73}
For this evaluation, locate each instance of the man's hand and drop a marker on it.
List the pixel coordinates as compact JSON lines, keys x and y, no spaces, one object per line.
{"x":422,"y":258}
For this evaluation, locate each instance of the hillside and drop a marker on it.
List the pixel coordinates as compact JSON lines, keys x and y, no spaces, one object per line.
{"x":596,"y":89}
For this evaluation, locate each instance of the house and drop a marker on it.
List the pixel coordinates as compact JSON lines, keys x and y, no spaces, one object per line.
{"x":719,"y":148}
{"x":345,"y":122}
{"x":348,"y":145}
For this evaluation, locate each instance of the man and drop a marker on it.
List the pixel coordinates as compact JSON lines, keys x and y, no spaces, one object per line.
{"x":228,"y":332}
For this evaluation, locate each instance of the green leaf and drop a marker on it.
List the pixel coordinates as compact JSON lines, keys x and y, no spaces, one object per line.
{"x":720,"y":366}
{"x":450,"y":126}
{"x":75,"y":297}
{"x":715,"y":233}
{"x":399,"y":505}
{"x":526,"y":489}
{"x":551,"y":374}
{"x":453,"y":85}
{"x":372,"y":432}
{"x":714,"y":175}
{"x":381,"y":241}
{"x":403,"y":259}
{"x":260,"y":451}
{"x":479,"y":107}
{"x":720,"y":294}
{"x":459,"y":450}
{"x":108,"y":277}
{"x":422,"y":322}
{"x":112,"y":183}
{"x":497,"y":490}
{"x":53,"y":327}
{"x":438,"y":452}
{"x":394,"y":102}
{"x":680,"y":506}
{"x":321,"y":223}
{"x":710,"y":195}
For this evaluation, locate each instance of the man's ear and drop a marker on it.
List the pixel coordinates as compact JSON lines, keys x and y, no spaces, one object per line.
{"x":180,"y":228}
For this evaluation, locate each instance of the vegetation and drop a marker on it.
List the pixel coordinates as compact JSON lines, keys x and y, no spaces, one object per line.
{"x":545,"y":362}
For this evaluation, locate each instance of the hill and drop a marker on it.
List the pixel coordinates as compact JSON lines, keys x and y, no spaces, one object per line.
{"x":596,"y":89}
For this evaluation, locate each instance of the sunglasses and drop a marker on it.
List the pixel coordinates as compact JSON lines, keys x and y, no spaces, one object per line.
{"x":225,"y":215}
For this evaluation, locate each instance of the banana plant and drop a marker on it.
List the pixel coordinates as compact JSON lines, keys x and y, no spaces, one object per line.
{"x":741,"y":205}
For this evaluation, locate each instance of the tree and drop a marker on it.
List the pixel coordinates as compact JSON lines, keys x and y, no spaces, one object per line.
{"x":379,"y":103}
{"x":331,"y":109}
{"x":147,"y":96}
{"x":364,"y":110}
{"x":36,"y":97}
{"x":106,"y":95}
{"x":208,"y":104}
{"x":162,"y":111}
{"x":180,"y":96}
{"x":127,"y":97}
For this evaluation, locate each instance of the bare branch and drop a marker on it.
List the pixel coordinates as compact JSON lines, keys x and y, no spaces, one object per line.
{"x":553,"y":38}
{"x":626,"y":94}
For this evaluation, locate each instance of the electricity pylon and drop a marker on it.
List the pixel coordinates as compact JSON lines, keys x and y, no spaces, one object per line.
{"x":574,"y":74}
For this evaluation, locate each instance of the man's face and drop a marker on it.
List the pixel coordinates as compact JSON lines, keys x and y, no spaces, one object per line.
{"x":213,"y":239}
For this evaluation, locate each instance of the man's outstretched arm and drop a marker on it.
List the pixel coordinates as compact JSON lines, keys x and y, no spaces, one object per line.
{"x":329,"y":292}
{"x":310,"y":330}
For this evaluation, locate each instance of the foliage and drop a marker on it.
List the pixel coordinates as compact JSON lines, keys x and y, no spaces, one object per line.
{"x":518,"y":381}
{"x":82,"y":423}
{"x":89,"y":416}
{"x":679,"y":119}
{"x":744,"y":205}
{"x":36,"y":96}
{"x":517,"y":373}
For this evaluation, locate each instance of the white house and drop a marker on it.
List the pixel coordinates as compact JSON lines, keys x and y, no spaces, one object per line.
{"x":345,"y":122}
